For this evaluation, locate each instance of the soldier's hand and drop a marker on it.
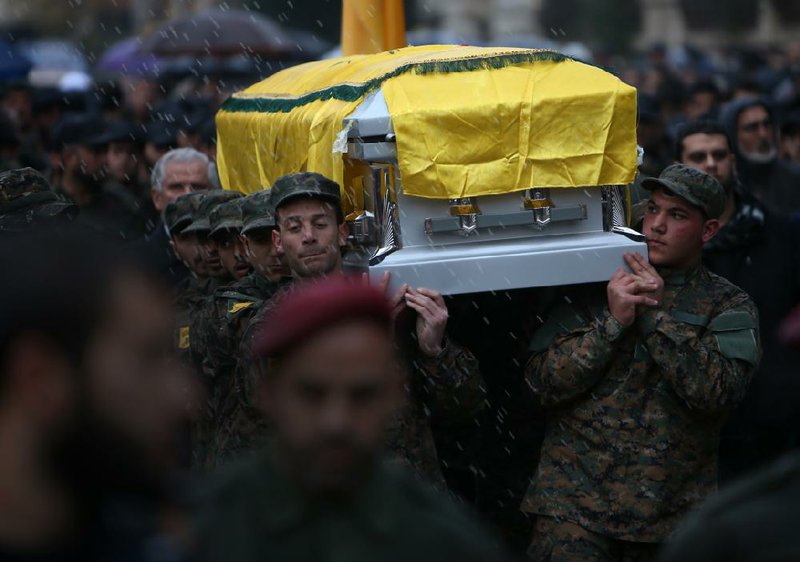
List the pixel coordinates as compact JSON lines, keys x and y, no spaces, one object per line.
{"x":398,"y":300}
{"x":642,"y":269}
{"x":625,"y":292}
{"x":431,"y":318}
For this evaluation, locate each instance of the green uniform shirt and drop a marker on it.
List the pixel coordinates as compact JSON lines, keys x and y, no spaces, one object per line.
{"x":254,"y":513}
{"x":635,"y":414}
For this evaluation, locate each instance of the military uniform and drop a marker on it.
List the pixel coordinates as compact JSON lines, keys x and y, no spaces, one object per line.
{"x":27,"y":201}
{"x":634,"y":414}
{"x":254,"y":512}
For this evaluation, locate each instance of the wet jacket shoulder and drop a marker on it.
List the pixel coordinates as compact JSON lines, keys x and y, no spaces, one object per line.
{"x":253,"y":513}
{"x":755,"y":519}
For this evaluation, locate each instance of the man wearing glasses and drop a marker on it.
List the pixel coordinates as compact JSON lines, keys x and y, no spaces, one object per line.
{"x":751,"y":127}
{"x":758,"y":251}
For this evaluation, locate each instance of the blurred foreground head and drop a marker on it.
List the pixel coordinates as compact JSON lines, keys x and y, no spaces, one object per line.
{"x":91,"y":401}
{"x":332,"y":383}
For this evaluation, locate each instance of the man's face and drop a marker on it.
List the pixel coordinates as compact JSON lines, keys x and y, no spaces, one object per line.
{"x":263,"y":255}
{"x":180,"y":178}
{"x":86,"y":162}
{"x":700,"y":104}
{"x":188,"y":251}
{"x":710,"y":154}
{"x":676,"y":231}
{"x":790,"y":147}
{"x":309,"y":237}
{"x":209,"y":250}
{"x":137,"y":395}
{"x":232,"y":253}
{"x":756,"y":134}
{"x":331,"y":399}
{"x":122,"y":161}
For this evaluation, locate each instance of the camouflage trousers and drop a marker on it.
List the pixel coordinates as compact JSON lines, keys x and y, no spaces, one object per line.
{"x":557,"y":540}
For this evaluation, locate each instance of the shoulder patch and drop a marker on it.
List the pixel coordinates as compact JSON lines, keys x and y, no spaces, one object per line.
{"x":183,"y":337}
{"x":735,"y":332}
{"x":237,"y":306}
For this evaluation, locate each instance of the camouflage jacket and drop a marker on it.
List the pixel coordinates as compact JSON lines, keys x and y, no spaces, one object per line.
{"x":448,"y":387}
{"x":218,"y":327}
{"x":635,"y":413}
{"x":189,"y":298}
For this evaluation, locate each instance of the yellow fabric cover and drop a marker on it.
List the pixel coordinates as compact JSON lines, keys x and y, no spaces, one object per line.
{"x":465,"y":133}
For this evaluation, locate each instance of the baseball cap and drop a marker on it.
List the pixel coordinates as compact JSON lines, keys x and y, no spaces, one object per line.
{"x":226,"y":216}
{"x":83,"y":129}
{"x":698,"y":188}
{"x":304,"y":184}
{"x":257,"y":212}
{"x":179,"y":214}
{"x":210,"y":199}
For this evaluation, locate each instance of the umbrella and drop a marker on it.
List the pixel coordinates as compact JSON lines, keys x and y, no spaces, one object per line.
{"x":126,"y":57}
{"x":220,"y":32}
{"x":13,"y":64}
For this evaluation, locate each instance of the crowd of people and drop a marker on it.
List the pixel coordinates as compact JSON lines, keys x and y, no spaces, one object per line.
{"x":188,"y":372}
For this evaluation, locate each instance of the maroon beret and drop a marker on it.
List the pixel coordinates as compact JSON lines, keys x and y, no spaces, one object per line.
{"x":314,"y":305}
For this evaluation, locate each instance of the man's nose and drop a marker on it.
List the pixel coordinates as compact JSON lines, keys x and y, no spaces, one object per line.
{"x":308,"y":234}
{"x":658,"y":224}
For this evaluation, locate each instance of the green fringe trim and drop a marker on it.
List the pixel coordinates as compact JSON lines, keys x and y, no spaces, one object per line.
{"x":354,"y":92}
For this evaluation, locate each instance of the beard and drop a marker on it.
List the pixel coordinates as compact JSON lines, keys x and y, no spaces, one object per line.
{"x":764,"y":154}
{"x":310,"y":468}
{"x":95,"y":461}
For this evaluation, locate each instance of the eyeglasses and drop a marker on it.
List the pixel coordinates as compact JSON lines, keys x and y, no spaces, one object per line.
{"x":699,"y":157}
{"x":756,"y":125}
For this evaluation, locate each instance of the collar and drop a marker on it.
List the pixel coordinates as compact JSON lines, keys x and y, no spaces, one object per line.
{"x":678,"y":277}
{"x":285,"y":508}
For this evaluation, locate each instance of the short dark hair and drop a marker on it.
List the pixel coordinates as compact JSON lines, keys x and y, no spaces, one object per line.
{"x":699,"y":127}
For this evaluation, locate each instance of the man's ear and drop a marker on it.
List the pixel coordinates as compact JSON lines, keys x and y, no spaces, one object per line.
{"x":710,"y":229}
{"x":156,"y":196}
{"x":276,"y":241}
{"x":344,"y":232}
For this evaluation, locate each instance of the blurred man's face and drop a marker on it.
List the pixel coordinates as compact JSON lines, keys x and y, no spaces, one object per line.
{"x":85,"y":162}
{"x":790,"y":147}
{"x":676,"y":231}
{"x":263,"y":255}
{"x":19,"y":107}
{"x":122,"y":161}
{"x":209,"y":250}
{"x":232,"y":253}
{"x":709,"y":154}
{"x":310,"y":237}
{"x":180,"y":178}
{"x":700,"y":104}
{"x":756,"y":135}
{"x":331,"y":399}
{"x":188,"y":251}
{"x":133,"y":398}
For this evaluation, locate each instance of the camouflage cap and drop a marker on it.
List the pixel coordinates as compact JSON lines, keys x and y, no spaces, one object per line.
{"x":257,"y":212}
{"x":25,"y":193}
{"x":210,"y":199}
{"x":179,"y":214}
{"x":304,"y":184}
{"x":698,"y":188}
{"x":226,"y":216}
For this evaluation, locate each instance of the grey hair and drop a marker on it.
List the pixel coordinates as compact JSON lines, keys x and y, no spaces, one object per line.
{"x":182,"y":155}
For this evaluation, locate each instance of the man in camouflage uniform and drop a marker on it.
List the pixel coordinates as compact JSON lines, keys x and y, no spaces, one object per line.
{"x":223,"y":322}
{"x":638,"y":384}
{"x":226,"y":227}
{"x":203,"y":318}
{"x":445,"y":381}
{"x":190,"y":293}
{"x":27,"y":201}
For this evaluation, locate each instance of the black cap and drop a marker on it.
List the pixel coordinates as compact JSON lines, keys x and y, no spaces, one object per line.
{"x":162,"y":134}
{"x":121,"y":131}
{"x":83,"y":129}
{"x":304,"y":184}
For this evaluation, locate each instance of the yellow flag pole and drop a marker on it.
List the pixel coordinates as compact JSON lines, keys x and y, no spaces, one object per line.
{"x":372,"y":26}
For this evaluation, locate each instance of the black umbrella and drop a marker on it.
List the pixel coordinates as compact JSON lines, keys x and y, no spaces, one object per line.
{"x":220,"y":32}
